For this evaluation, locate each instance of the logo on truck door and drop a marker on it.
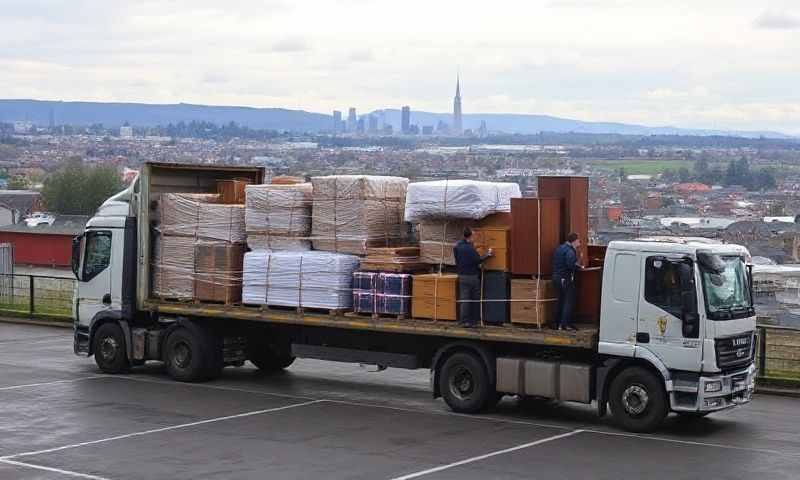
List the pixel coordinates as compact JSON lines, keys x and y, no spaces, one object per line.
{"x":662,"y":325}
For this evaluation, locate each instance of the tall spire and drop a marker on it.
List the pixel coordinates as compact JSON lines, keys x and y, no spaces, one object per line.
{"x":457,"y":125}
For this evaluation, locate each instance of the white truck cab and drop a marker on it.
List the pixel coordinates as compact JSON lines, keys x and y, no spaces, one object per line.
{"x":684,"y":307}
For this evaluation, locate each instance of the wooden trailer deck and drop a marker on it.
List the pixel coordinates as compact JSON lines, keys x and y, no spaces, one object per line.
{"x":585,"y":337}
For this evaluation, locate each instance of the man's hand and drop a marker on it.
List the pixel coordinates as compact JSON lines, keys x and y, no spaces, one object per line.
{"x":490,"y":252}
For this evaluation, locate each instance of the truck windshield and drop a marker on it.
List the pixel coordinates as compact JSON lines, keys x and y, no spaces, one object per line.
{"x":726,"y":286}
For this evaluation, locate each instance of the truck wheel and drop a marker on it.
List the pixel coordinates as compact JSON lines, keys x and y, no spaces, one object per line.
{"x":183,"y":356}
{"x":638,"y":400}
{"x":464,"y":383}
{"x":109,"y":349}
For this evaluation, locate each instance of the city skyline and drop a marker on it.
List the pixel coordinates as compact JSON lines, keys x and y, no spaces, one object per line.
{"x":645,"y":62}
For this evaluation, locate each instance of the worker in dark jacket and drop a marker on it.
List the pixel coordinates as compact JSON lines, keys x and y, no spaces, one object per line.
{"x":565,"y":264}
{"x":468,"y":263}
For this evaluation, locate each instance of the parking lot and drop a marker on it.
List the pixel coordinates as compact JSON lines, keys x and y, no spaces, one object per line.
{"x":61,"y":419}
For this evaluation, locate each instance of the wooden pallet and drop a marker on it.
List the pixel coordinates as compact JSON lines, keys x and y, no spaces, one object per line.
{"x":378,"y":316}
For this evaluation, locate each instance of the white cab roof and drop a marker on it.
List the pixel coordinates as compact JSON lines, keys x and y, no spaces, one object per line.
{"x":678,"y":245}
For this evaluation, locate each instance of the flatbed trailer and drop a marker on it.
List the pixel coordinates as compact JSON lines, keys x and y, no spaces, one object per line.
{"x":584,"y":338}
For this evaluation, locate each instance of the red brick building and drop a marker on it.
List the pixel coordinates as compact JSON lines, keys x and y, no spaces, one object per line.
{"x":45,"y":245}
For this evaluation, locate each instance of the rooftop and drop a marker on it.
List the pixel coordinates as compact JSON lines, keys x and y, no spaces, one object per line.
{"x":63,"y":225}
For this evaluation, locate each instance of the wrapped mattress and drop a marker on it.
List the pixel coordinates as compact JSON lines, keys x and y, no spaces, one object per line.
{"x":278,"y":217}
{"x":466,"y":199}
{"x":299,"y":279}
{"x":353,"y":212}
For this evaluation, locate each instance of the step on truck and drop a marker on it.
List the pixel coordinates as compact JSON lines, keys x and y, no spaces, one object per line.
{"x":675,"y":334}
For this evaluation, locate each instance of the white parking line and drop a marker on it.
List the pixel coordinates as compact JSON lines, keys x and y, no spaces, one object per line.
{"x":158,"y":430}
{"x":485,"y":456}
{"x":54,"y":382}
{"x":214,"y":387}
{"x":54,"y":470}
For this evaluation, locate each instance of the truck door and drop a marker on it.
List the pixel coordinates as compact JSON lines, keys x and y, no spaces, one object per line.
{"x":94,"y":285}
{"x":662,"y":328}
{"x":619,"y":306}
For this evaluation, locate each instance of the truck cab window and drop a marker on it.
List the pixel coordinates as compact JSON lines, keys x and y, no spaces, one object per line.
{"x":98,"y":254}
{"x":663,"y":285}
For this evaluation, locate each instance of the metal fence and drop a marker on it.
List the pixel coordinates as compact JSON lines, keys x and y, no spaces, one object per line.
{"x":36,"y":295}
{"x":778,"y":352}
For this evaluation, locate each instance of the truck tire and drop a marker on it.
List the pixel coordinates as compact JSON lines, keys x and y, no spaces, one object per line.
{"x":464,"y":383}
{"x":638,"y":400}
{"x":184,"y":354}
{"x":109,"y":349}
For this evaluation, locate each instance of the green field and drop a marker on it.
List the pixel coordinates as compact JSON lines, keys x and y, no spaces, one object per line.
{"x":642,"y":167}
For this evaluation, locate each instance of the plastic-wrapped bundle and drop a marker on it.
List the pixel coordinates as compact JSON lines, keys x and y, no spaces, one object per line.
{"x":393,"y":294}
{"x":353,"y":212}
{"x":188,"y":269}
{"x":468,"y":199}
{"x":437,"y":239}
{"x":194,"y":215}
{"x":179,"y":213}
{"x":278,"y":217}
{"x":173,"y":267}
{"x":299,"y":279}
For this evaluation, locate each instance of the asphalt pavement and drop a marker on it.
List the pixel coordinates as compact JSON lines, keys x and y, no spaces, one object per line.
{"x":60,"y":418}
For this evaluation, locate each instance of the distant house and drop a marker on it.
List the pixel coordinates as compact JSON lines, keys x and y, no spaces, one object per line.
{"x":688,"y":188}
{"x":16,"y":204}
{"x":45,"y":245}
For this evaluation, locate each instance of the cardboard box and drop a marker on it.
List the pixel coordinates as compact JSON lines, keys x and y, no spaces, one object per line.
{"x":533,"y":302}
{"x":218,"y":272}
{"x":434,"y":296}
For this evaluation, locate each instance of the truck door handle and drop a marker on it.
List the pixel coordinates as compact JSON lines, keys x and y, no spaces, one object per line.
{"x":107,"y":299}
{"x":642,"y":337}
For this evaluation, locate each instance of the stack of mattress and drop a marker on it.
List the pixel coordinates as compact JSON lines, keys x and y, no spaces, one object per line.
{"x":353,"y":212}
{"x":278,"y":217}
{"x":299,"y":279}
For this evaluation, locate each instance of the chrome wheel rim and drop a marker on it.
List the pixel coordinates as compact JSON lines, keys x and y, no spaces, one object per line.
{"x":108,"y":348}
{"x":462,"y":384}
{"x":182,"y":355}
{"x":635,"y":399}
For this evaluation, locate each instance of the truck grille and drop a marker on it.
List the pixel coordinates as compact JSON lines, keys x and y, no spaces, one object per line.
{"x":734,"y":351}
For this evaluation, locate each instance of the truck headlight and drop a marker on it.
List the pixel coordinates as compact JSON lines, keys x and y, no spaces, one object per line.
{"x":714,"y":386}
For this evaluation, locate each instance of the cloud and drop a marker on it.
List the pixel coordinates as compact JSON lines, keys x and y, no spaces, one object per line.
{"x":361,"y":56}
{"x":777,"y":20}
{"x":290,"y":45}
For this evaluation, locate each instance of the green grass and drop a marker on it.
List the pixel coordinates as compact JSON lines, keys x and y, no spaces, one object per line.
{"x":642,"y":167}
{"x":43,"y":307}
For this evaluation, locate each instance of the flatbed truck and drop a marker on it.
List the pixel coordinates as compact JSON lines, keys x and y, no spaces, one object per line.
{"x":676,"y":325}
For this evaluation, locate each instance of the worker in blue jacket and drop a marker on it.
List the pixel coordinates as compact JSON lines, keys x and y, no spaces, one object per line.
{"x":468,"y":264}
{"x":565,"y":264}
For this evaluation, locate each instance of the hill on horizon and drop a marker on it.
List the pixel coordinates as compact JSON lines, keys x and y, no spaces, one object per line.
{"x":150,"y":115}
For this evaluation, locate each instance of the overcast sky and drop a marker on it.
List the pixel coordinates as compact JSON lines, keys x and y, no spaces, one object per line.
{"x":726,"y":64}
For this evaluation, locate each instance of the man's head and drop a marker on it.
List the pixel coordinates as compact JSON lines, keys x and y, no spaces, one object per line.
{"x":467,"y":234}
{"x":573,"y":240}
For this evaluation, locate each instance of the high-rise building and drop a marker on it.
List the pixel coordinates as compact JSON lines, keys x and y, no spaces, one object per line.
{"x":337,"y":121}
{"x":360,"y":125}
{"x":483,"y":132}
{"x":405,"y":121}
{"x":126,"y":131}
{"x":352,"y":122}
{"x":373,"y":123}
{"x":458,"y":127}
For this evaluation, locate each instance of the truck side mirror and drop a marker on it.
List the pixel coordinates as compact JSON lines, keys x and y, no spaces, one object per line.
{"x":690,"y":317}
{"x":76,"y":256}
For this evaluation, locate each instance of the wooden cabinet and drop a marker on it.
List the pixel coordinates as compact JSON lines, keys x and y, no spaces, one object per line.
{"x":434,"y":296}
{"x":574,"y":194}
{"x":533,"y":302}
{"x":535,"y":234}
{"x":498,"y":239}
